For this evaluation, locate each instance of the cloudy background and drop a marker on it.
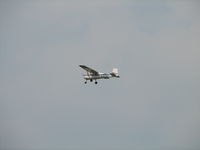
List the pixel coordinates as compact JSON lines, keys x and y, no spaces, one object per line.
{"x":44,"y":103}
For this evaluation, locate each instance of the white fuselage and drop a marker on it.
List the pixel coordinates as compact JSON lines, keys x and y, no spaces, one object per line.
{"x":100,"y":76}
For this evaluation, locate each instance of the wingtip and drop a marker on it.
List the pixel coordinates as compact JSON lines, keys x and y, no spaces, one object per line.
{"x":82,"y":66}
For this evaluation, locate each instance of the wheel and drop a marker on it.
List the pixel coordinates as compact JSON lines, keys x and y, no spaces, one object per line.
{"x":90,"y":80}
{"x":85,"y":82}
{"x":96,"y":82}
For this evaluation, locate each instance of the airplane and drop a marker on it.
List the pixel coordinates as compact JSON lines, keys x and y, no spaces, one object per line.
{"x":94,"y":75}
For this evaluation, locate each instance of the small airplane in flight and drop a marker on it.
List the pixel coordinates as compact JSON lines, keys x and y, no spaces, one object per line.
{"x":94,"y":75}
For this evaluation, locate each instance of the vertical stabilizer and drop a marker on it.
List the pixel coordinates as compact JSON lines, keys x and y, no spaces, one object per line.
{"x":115,"y":70}
{"x":114,"y":73}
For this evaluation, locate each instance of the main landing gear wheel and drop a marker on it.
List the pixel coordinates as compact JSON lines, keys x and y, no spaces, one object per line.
{"x":96,"y":82}
{"x":85,"y":82}
{"x":90,"y":80}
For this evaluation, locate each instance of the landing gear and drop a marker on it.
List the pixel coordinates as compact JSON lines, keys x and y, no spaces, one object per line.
{"x":90,"y":81}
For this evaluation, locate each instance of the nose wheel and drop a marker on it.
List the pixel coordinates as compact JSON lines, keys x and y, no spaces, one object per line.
{"x":96,"y":82}
{"x":85,"y":82}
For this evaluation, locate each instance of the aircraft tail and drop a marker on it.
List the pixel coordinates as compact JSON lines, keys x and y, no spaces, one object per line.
{"x":114,"y":72}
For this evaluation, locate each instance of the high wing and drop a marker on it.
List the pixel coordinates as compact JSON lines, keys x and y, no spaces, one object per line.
{"x":93,"y":72}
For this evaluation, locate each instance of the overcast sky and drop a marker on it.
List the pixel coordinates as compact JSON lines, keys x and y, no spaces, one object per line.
{"x":44,"y":103}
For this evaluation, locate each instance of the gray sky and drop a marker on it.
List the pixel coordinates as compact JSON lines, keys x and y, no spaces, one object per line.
{"x":44,"y":103}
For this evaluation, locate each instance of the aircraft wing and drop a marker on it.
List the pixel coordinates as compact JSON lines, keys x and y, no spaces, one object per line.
{"x":93,"y":72}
